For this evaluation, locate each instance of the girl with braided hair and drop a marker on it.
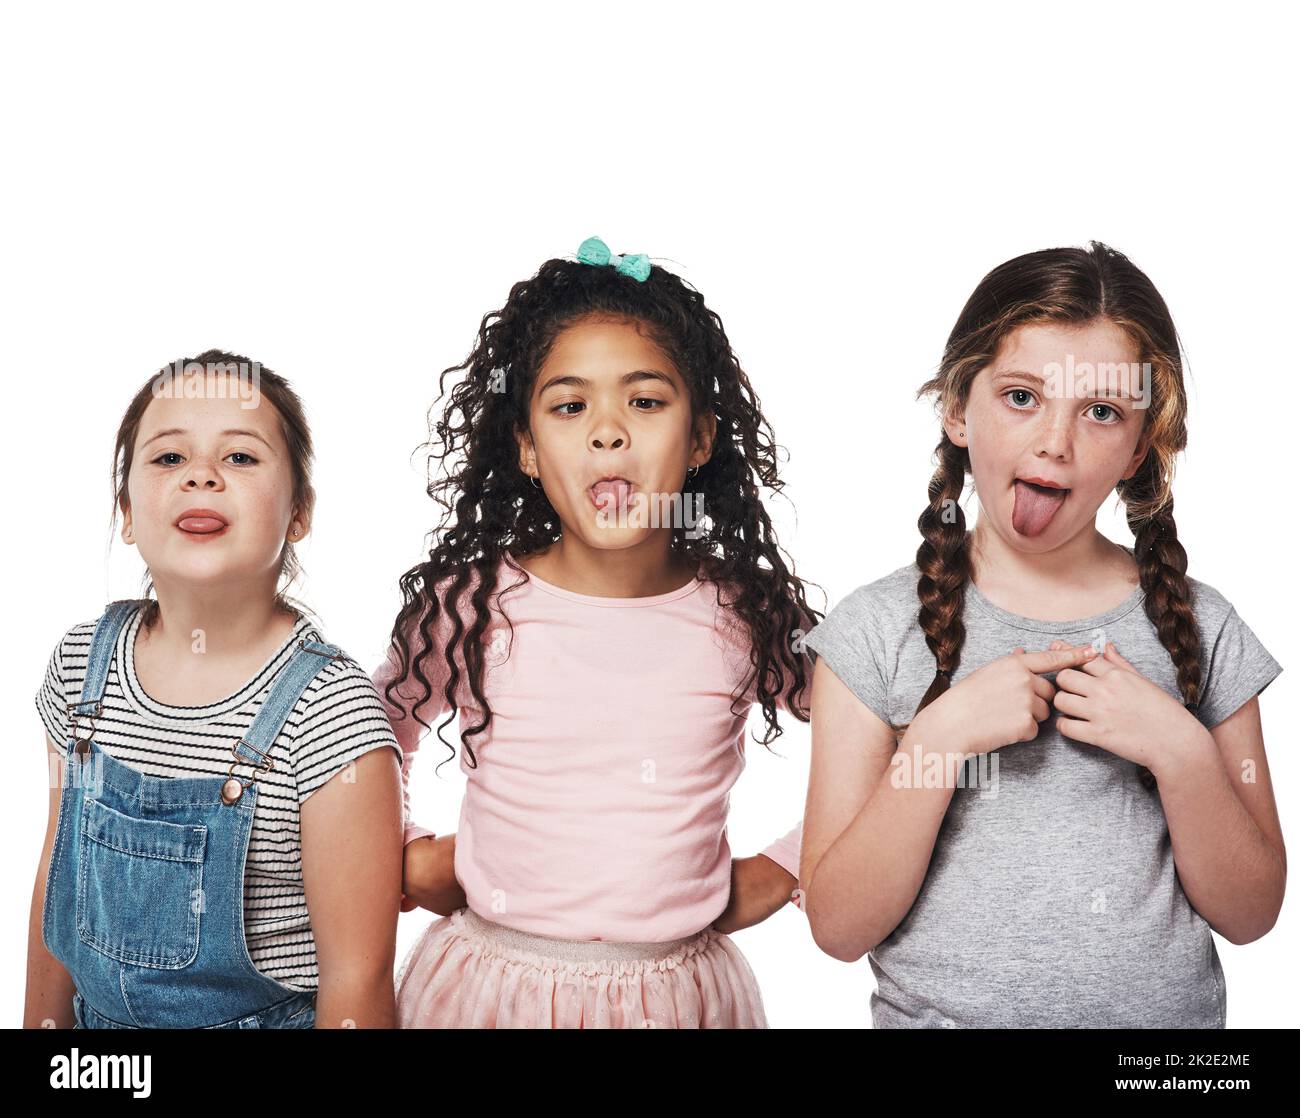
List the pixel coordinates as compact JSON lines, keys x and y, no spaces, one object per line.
{"x":603,"y":641}
{"x":1038,"y":776}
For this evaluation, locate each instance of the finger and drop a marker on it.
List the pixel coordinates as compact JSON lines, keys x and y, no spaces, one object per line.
{"x":1043,"y":687}
{"x":1055,"y":661}
{"x":1042,"y":712}
{"x":1076,"y":706}
{"x":1076,"y":729}
{"x":1074,"y":680}
{"x":1057,"y":645}
{"x":1098,"y":666}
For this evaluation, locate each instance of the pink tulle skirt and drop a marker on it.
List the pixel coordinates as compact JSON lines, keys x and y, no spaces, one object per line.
{"x":465,"y":972}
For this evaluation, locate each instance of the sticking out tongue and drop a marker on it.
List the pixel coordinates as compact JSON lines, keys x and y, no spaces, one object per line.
{"x":201,"y":525}
{"x":1035,"y":506}
{"x":611,"y":494}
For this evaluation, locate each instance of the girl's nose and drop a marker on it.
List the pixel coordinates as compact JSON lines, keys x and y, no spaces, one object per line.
{"x":202,"y":474}
{"x":1054,"y":438}
{"x":607,"y":433}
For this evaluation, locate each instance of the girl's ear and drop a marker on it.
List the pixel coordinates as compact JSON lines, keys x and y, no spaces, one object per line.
{"x":955,"y":425}
{"x":527,"y":453}
{"x":301,"y":517}
{"x":1139,"y":456}
{"x":706,"y":430}
{"x":128,"y":530}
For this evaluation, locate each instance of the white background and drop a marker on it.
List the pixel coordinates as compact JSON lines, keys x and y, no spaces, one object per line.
{"x":342,"y":192}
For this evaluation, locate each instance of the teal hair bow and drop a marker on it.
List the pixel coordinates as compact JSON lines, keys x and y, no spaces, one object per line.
{"x":595,"y":251}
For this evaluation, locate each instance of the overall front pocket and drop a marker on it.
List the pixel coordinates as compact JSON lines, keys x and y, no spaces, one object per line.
{"x":139,"y":887}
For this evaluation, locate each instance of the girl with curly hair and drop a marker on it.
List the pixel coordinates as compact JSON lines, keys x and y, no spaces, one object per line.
{"x":1081,"y":792}
{"x":603,"y":601}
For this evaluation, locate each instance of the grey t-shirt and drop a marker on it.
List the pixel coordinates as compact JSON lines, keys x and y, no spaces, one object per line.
{"x":1051,"y":898}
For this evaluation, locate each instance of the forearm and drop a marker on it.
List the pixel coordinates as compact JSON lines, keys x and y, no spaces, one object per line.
{"x":361,"y":998}
{"x":49,"y":986}
{"x":429,"y":874}
{"x":760,"y":887}
{"x":1230,"y":872}
{"x":869,"y":877}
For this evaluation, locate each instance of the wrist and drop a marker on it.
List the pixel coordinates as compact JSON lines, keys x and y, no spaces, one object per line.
{"x":779,"y":882}
{"x":929,"y":731}
{"x":927,"y":748}
{"x":1185,"y":757}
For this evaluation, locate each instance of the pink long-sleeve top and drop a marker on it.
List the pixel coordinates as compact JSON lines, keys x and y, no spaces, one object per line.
{"x":598,"y":807}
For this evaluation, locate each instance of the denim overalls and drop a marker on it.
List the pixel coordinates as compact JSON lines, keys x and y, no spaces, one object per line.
{"x":144,"y":901}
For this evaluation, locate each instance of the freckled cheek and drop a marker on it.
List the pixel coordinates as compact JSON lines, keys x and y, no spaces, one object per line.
{"x":264,"y":509}
{"x":150,"y":505}
{"x":991,"y":460}
{"x":1101,"y":457}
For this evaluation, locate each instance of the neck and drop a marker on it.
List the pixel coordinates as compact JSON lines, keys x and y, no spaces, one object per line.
{"x":641,"y":571}
{"x":1086,"y":559}
{"x":225,"y":621}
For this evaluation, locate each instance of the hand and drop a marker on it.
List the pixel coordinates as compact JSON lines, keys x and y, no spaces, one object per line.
{"x":429,"y":875}
{"x":759,"y":887}
{"x":997,"y":704}
{"x":1110,"y":704}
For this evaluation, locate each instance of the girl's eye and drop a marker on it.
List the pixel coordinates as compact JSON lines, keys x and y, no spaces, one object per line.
{"x":1105,"y":418}
{"x":568,"y":404}
{"x":1019,"y":392}
{"x":648,"y":400}
{"x":174,"y":458}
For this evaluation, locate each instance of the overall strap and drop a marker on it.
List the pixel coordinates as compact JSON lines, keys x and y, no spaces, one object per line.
{"x":304,"y":666}
{"x":101,"y":656}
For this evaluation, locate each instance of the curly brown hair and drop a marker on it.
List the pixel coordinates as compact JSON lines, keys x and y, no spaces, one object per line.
{"x":491,"y":511}
{"x":1075,"y":286}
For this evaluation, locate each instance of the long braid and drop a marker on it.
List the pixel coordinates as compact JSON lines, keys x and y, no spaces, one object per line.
{"x":1162,"y":568}
{"x":944,"y":561}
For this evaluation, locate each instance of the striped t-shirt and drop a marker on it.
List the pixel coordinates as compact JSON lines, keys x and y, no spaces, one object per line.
{"x":338,"y":718}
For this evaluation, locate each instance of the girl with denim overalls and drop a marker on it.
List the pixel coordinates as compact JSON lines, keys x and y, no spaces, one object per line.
{"x":144,"y":881}
{"x":142,"y":864}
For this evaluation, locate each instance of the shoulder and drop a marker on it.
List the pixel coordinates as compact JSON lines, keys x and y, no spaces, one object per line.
{"x":888,"y":602}
{"x":77,"y":636}
{"x":1209,"y":605}
{"x":65,"y":673}
{"x":715,"y":603}
{"x":73,"y":648}
{"x":452,"y":603}
{"x":870,"y":620}
{"x":338,"y":719}
{"x":340,"y":684}
{"x":1219,"y":626}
